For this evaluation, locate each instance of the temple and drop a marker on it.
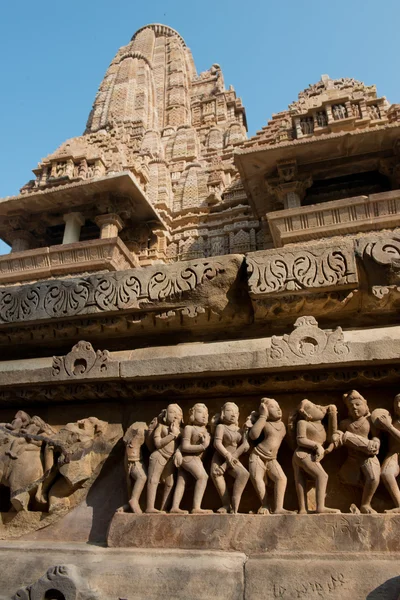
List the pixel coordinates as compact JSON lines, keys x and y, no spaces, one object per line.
{"x":199,"y":341}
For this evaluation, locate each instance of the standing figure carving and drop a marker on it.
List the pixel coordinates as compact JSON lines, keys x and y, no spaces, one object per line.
{"x":263,"y":463}
{"x":311,"y":435}
{"x":362,"y":466}
{"x":230,"y":442}
{"x":135,"y":469}
{"x":390,"y":468}
{"x":188,"y":458}
{"x":166,"y":438}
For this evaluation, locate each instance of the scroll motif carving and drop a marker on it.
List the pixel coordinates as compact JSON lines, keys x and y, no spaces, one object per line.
{"x":61,"y":581}
{"x":307,"y":340}
{"x":105,"y":292}
{"x":83,"y":360}
{"x":274,"y":272}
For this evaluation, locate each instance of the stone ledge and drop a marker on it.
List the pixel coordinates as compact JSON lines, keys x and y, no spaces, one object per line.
{"x":253,"y":534}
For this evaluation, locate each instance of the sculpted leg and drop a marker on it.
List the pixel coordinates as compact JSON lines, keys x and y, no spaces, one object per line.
{"x":389,"y":474}
{"x":301,"y":487}
{"x":156,"y":468}
{"x":220,"y":484}
{"x":168,"y":485}
{"x":257,"y":470}
{"x":195,"y":467}
{"x":320,"y":476}
{"x":371,"y":470}
{"x":178,"y":494}
{"x":138,"y":475}
{"x":279,"y":478}
{"x":20,"y":501}
{"x":241,"y":476}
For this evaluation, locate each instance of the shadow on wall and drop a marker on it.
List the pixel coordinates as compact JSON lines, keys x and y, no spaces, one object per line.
{"x":390,"y":590}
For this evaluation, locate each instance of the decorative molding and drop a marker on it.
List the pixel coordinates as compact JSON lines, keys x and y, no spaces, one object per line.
{"x":83,"y":361}
{"x":283,"y":271}
{"x":308,"y":342}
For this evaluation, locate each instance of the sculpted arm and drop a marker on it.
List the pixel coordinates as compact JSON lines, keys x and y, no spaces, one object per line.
{"x":302,"y":438}
{"x":161,"y":442}
{"x":186,"y":446}
{"x":257,"y":428}
{"x":218,"y":445}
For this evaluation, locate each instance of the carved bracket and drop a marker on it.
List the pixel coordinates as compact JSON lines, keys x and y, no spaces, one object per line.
{"x":62,"y":582}
{"x":83,"y":361}
{"x":308,"y":342}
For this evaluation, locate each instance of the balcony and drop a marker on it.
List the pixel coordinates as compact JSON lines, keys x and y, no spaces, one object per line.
{"x":338,"y":217}
{"x":108,"y":254}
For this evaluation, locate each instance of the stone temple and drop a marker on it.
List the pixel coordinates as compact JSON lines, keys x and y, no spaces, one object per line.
{"x":200,"y":346}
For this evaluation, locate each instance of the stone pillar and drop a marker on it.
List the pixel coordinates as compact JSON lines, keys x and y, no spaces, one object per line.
{"x":110,"y":225}
{"x":73,"y":224}
{"x":21,"y":241}
{"x":292,"y":200}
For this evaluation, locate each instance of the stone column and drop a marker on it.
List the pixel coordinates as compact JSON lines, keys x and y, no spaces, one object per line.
{"x":110,"y":225}
{"x":73,"y":224}
{"x":21,"y":241}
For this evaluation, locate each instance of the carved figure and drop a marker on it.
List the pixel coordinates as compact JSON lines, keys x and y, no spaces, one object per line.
{"x":311,"y":436}
{"x":188,"y":459}
{"x":390,"y":468}
{"x":23,"y":461}
{"x":135,"y":468}
{"x":263,"y":458}
{"x":230,"y":442}
{"x":166,"y":438}
{"x":362,"y":465}
{"x":322,"y":118}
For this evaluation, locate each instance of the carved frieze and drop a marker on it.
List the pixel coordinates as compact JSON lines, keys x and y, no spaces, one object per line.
{"x":124,"y":290}
{"x":282,"y":271}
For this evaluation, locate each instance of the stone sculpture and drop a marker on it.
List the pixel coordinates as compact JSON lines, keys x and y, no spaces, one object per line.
{"x":263,"y":458}
{"x":135,"y":468}
{"x":390,"y":469}
{"x":230,"y":442}
{"x":62,"y":582}
{"x":188,"y":459}
{"x":310,"y":436}
{"x":166,"y":438}
{"x":360,"y":436}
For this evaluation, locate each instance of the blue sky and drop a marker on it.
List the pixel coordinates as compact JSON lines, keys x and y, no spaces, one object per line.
{"x":54,"y":55}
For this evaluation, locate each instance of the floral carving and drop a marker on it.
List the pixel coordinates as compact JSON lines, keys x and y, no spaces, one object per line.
{"x":105,"y":292}
{"x":308,"y":341}
{"x":82,"y":361}
{"x":382,"y":250}
{"x":285,"y":271}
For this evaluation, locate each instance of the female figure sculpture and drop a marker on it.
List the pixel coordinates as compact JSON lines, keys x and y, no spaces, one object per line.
{"x":195,"y":441}
{"x":230,"y":443}
{"x":166,"y":437}
{"x":362,"y":465}
{"x":263,"y":458}
{"x":135,"y":469}
{"x":391,"y":467}
{"x":310,"y":437}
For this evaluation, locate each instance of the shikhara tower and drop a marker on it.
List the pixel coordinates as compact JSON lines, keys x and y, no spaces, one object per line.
{"x":164,"y":257}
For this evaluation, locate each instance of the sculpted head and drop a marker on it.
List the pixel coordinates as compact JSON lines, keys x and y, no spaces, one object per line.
{"x":21,"y":419}
{"x":396,"y":405}
{"x":271,"y":409}
{"x":173,"y":414}
{"x":198,"y":414}
{"x":230,"y":413}
{"x":356,"y":404}
{"x":310,"y":411}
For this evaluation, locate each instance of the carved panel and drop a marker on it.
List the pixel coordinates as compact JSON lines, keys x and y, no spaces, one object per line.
{"x":281,"y":271}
